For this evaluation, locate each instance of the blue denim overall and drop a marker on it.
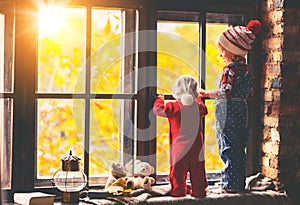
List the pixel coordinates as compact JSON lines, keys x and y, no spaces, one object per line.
{"x":232,"y":130}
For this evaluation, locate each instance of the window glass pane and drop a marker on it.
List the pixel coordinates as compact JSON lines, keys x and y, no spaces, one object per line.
{"x":214,"y":62}
{"x":178,"y":54}
{"x":104,"y":135}
{"x":61,"y":50}
{"x":106,"y":51}
{"x":60,"y":129}
{"x":213,"y":161}
{"x":6,"y":52}
{"x":214,"y":67}
{"x":162,"y":146}
{"x":177,"y":45}
{"x":6,"y":115}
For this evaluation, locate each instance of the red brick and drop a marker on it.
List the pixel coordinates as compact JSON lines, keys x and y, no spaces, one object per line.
{"x":278,"y":29}
{"x":274,"y":57}
{"x":276,"y":109}
{"x":266,"y":134}
{"x":266,"y":83}
{"x":273,"y":44}
{"x":270,"y":172}
{"x":268,"y":109}
{"x":267,"y":6}
{"x":275,"y":16}
{"x":275,"y":135}
{"x":272,"y":109}
{"x":272,"y":69}
{"x":270,"y":121}
{"x":268,"y":96}
{"x":265,"y":161}
{"x":274,"y":162}
{"x":276,"y":95}
{"x":270,"y":148}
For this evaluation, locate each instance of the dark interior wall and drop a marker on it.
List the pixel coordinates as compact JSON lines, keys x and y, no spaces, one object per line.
{"x":229,"y":6}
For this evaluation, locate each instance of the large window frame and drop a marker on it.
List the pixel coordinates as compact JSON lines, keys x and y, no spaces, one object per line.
{"x":24,"y":95}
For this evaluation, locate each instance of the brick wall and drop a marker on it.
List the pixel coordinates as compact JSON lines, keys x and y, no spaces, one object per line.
{"x":281,"y":82}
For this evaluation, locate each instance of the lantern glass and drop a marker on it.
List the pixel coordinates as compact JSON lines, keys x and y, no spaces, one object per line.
{"x":70,"y":181}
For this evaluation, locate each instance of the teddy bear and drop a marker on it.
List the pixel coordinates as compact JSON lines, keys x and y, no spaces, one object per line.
{"x":140,"y":182}
{"x":140,"y":175}
{"x":116,"y":181}
{"x":139,"y":168}
{"x":120,"y":180}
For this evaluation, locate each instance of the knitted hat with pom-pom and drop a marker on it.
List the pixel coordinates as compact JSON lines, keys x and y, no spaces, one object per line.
{"x":238,"y":39}
{"x":185,"y":89}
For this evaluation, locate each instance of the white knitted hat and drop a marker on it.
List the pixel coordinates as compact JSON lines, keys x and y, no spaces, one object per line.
{"x":185,"y":89}
{"x":238,"y":39}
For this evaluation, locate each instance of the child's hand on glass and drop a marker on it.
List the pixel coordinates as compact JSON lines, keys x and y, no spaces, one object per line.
{"x":202,"y":93}
{"x":160,"y":96}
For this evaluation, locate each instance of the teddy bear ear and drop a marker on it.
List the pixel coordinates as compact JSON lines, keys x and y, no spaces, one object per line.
{"x":112,"y":166}
{"x":152,"y":170}
{"x":152,"y":180}
{"x":137,"y":162}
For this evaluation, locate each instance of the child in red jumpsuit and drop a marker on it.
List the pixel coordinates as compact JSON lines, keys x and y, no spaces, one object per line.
{"x":186,"y":139}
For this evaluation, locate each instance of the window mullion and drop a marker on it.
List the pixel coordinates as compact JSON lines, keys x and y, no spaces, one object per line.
{"x":129,"y":19}
{"x":202,"y":56}
{"x":202,"y":49}
{"x":87,"y":91}
{"x":24,"y":139}
{"x":146,"y":133}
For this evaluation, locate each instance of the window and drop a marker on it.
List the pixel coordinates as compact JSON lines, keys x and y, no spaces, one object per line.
{"x":84,"y":85}
{"x":178,"y":54}
{"x":186,"y":45}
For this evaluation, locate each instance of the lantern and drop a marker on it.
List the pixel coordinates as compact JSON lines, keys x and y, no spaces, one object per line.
{"x":70,"y":179}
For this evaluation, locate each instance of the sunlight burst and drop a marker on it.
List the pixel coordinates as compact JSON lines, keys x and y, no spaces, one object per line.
{"x":51,"y":20}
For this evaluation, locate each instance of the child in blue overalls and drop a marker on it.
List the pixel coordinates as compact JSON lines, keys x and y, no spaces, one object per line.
{"x":231,"y":112}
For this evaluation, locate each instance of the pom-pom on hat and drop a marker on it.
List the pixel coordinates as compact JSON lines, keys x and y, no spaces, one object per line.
{"x":185,"y":89}
{"x":238,"y":39}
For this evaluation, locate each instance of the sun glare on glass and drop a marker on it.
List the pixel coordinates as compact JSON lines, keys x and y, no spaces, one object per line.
{"x":51,"y":20}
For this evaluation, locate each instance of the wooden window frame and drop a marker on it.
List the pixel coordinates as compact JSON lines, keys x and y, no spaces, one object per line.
{"x":8,"y":94}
